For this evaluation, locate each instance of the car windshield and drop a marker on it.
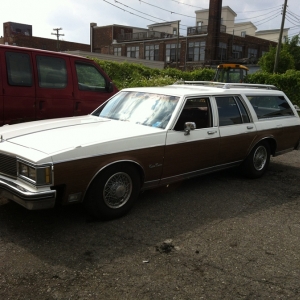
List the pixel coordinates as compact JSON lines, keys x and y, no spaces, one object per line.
{"x":139,"y":107}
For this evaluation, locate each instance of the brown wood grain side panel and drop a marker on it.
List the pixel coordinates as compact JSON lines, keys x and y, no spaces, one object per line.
{"x":286,"y":138}
{"x":235,"y":148}
{"x":77,"y":174}
{"x":188,"y":157}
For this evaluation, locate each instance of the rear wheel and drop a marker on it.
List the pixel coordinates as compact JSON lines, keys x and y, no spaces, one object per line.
{"x":258,"y":160}
{"x":113,"y":192}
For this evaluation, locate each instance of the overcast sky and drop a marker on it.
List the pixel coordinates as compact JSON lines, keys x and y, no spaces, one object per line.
{"x":75,"y":16}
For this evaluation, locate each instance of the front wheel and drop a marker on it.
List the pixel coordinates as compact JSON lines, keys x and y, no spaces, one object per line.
{"x":258,"y":160}
{"x":113,"y":192}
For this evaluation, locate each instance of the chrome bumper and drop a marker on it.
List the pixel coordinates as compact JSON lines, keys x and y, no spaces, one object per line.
{"x":28,"y":199}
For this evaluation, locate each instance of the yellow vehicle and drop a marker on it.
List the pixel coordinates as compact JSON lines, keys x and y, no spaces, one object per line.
{"x":231,"y":73}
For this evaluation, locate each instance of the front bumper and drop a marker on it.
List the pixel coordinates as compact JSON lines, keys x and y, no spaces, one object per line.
{"x":28,"y":199}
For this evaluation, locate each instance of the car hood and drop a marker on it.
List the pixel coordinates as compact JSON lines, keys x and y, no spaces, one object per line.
{"x":53,"y":137}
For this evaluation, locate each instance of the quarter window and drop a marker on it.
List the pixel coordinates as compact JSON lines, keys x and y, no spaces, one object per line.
{"x":270,"y":106}
{"x":89,"y":78}
{"x":19,"y":70}
{"x":231,"y":111}
{"x":52,"y":72}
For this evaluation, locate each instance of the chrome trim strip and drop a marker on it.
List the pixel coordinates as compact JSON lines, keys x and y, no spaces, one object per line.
{"x":150,"y":184}
{"x":28,"y":199}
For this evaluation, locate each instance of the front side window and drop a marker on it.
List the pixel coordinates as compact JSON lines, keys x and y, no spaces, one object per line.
{"x":231,"y":111}
{"x":195,"y":110}
{"x":196,"y":51}
{"x":270,"y":106}
{"x":52,"y":72}
{"x":89,"y":78}
{"x":19,"y":72}
{"x":154,"y":110}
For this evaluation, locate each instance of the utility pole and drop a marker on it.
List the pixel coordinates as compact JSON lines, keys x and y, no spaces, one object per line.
{"x":280,"y":38}
{"x":58,"y":35}
{"x":177,"y":46}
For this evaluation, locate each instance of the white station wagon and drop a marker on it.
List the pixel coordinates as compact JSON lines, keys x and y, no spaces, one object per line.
{"x":143,"y":138}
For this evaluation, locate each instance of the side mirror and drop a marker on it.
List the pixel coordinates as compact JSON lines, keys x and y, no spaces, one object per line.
{"x":188,"y":126}
{"x":109,"y":87}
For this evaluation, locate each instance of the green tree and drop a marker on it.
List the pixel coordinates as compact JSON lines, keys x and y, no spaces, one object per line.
{"x":285,"y":62}
{"x":293,"y":47}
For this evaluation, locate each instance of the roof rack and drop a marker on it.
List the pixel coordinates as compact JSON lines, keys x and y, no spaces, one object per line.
{"x":227,"y":85}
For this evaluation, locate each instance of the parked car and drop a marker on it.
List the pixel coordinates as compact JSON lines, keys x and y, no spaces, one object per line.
{"x":37,"y":84}
{"x":144,"y":138}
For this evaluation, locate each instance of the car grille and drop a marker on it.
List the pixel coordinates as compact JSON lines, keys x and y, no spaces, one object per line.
{"x":8,"y":165}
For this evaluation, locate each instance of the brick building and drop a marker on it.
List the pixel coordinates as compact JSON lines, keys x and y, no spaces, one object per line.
{"x":21,"y":35}
{"x":202,"y":46}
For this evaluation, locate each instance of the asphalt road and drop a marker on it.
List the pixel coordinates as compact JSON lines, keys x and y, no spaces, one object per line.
{"x":219,"y":236}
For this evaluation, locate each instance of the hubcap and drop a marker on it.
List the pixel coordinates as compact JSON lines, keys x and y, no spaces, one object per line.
{"x":260,"y":158}
{"x":117,"y":190}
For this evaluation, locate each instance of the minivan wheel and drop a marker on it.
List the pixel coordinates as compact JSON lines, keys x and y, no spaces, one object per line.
{"x":257,"y":161}
{"x":113,"y":192}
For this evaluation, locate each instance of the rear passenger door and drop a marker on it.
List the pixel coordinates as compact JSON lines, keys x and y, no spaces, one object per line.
{"x":54,"y":89}
{"x":18,"y":87}
{"x":237,"y":129}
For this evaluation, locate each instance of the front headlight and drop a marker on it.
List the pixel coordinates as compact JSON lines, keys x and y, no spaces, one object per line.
{"x":40,"y":175}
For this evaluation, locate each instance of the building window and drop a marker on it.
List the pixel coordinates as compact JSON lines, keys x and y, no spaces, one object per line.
{"x":243,"y":34}
{"x":237,"y":51}
{"x":133,"y":52}
{"x":152,"y":52}
{"x":196,"y":51}
{"x":222,"y":53}
{"x":117,"y":51}
{"x":171,"y":52}
{"x":252,"y":53}
{"x":175,"y":31}
{"x":199,"y":24}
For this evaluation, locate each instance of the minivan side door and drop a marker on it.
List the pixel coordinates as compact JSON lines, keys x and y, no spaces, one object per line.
{"x":18,"y":86}
{"x":91,"y":86}
{"x":54,"y":87}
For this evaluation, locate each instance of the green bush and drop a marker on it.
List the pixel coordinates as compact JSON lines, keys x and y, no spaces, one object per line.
{"x":126,"y":75}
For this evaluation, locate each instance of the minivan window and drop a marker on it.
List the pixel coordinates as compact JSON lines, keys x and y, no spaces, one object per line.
{"x":52,"y":72}
{"x":270,"y":106}
{"x":19,"y":70}
{"x":89,"y":78}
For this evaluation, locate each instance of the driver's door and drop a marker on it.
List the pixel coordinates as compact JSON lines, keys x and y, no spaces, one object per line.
{"x":190,"y":155}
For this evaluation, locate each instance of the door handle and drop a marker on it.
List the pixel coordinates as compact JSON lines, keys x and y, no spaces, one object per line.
{"x":249,"y":127}
{"x":212,"y":132}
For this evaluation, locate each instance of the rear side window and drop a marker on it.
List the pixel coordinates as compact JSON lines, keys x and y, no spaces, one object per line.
{"x":231,"y":111}
{"x":270,"y":106}
{"x":19,"y":71}
{"x":52,"y":72}
{"x":89,"y":78}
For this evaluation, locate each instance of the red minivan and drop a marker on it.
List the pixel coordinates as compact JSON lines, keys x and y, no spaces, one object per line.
{"x":37,"y":84}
